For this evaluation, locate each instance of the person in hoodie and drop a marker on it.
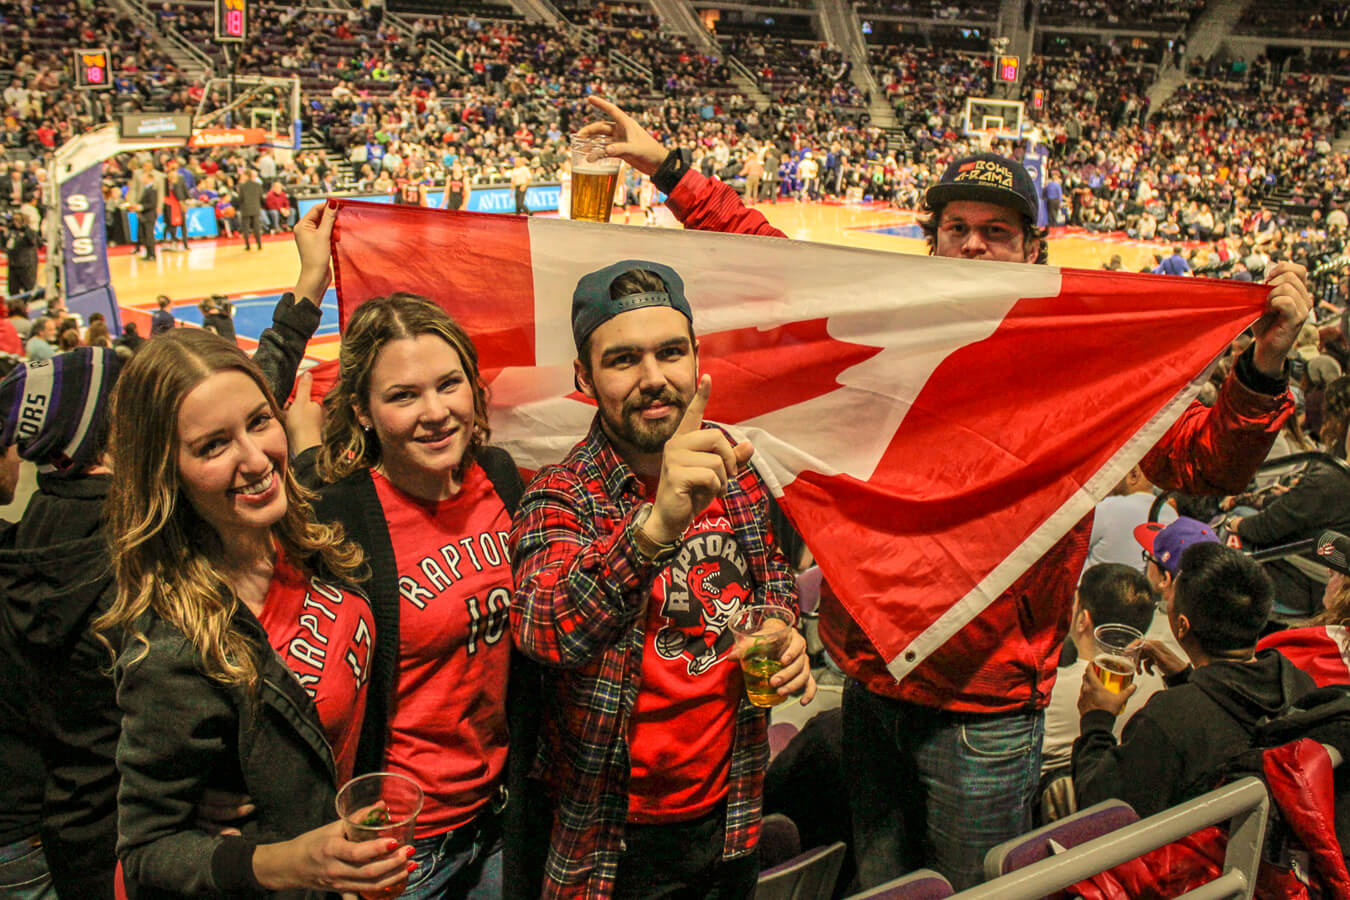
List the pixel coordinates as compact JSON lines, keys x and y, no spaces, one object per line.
{"x":54,"y":576}
{"x":1175,"y":747}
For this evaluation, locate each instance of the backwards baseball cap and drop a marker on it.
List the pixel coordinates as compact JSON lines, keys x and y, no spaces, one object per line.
{"x":592,"y":305}
{"x":988,"y":178}
{"x":56,"y":410}
{"x":1166,"y":543}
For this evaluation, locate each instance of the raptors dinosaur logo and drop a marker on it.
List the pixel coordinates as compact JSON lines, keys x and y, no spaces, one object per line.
{"x":707,"y":583}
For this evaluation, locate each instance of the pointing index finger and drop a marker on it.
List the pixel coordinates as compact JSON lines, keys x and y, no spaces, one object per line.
{"x":693,"y":414}
{"x":606,"y":107}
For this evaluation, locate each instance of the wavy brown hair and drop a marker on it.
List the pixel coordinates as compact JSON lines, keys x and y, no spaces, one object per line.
{"x":166,"y":558}
{"x":346,"y":446}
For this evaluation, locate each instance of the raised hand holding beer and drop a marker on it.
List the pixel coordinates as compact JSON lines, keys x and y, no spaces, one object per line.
{"x":627,"y":140}
{"x":696,"y":465}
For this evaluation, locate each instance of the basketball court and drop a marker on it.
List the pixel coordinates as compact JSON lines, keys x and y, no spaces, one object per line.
{"x":254,"y":280}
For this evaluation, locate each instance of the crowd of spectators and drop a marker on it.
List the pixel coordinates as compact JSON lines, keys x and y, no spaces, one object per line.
{"x":1326,"y":18}
{"x":391,"y":110}
{"x":1108,"y":13}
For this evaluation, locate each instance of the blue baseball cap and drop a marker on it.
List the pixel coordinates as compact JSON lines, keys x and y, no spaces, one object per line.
{"x":1166,"y":543}
{"x":592,"y":305}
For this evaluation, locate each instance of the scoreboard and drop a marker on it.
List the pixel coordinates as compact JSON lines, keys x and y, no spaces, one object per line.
{"x":231,"y":21}
{"x":93,"y":69}
{"x":1007,"y":68}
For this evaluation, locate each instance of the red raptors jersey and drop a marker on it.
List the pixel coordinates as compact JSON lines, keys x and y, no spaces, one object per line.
{"x":448,"y":730}
{"x":324,"y":634}
{"x":683,"y":724}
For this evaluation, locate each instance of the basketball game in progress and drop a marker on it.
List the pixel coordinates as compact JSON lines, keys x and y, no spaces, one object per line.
{"x":675,"y":449}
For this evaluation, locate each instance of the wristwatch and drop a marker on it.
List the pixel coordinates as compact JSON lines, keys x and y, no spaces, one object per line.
{"x":648,"y":548}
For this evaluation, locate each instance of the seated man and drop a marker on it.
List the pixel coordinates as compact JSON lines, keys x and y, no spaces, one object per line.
{"x":1318,"y":501}
{"x":1109,"y":594}
{"x":1174,"y":748}
{"x":1116,"y":518}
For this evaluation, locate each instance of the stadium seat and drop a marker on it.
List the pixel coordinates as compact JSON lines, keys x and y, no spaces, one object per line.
{"x":780,"y":735}
{"x":1068,"y":833}
{"x":810,"y":876}
{"x":925,"y":884}
{"x":779,"y":841}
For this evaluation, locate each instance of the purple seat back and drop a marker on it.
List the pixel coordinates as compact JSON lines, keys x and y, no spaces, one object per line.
{"x":1068,"y":832}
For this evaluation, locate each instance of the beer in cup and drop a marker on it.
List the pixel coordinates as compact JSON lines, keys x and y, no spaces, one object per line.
{"x":762,"y":633}
{"x":380,"y":804}
{"x":593,"y":180}
{"x":1116,"y":656}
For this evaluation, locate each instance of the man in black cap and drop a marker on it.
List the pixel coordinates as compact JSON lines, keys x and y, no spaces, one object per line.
{"x":630,"y":558}
{"x":944,"y":764}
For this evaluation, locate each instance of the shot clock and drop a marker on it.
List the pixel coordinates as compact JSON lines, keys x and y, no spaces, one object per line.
{"x":231,"y":21}
{"x":93,"y":69}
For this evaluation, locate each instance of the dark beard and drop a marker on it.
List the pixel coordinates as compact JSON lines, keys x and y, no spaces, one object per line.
{"x":642,"y":436}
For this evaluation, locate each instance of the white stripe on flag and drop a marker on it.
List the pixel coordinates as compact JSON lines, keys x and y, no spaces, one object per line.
{"x":1043,"y":538}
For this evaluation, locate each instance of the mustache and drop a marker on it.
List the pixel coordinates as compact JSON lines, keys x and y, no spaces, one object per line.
{"x":665,"y":395}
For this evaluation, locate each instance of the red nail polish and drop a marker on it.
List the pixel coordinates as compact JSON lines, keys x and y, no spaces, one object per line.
{"x":391,"y":845}
{"x":412,"y":867}
{"x":409,"y":852}
{"x":332,"y":204}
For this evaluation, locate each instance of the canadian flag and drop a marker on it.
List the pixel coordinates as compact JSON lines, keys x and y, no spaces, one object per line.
{"x":931,"y":426}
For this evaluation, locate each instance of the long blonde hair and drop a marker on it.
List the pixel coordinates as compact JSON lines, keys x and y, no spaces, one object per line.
{"x":166,"y":558}
{"x":346,"y":445}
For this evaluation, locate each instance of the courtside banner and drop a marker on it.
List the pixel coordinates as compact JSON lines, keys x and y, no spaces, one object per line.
{"x":84,"y":247}
{"x":932,"y":426}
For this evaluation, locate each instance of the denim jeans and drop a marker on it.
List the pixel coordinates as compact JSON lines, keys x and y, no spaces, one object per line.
{"x":23,"y":872}
{"x":464,"y":864}
{"x":931,"y":788}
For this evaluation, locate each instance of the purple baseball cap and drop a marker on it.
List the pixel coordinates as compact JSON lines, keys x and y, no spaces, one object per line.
{"x":1166,"y":543}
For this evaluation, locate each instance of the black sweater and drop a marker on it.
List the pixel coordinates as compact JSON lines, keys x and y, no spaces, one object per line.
{"x":1174,"y":748}
{"x":354,"y":503}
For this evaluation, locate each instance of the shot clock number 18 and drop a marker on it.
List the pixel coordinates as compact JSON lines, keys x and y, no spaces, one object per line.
{"x":93,"y":69}
{"x":231,"y":20}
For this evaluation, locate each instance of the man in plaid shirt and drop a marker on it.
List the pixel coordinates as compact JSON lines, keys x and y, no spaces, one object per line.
{"x":630,"y":558}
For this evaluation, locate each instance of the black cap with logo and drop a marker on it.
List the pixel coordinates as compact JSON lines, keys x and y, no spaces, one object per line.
{"x":987,"y":178}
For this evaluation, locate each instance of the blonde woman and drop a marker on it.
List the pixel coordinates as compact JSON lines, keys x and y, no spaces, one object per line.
{"x":243,"y":641}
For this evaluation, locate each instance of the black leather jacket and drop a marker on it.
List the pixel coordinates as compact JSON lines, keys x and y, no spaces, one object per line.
{"x":183,"y":733}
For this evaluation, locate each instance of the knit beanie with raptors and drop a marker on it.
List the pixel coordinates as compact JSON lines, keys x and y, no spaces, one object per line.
{"x":56,"y":410}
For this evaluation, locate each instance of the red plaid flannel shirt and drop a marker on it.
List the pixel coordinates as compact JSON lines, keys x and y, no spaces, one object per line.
{"x":579,"y":608}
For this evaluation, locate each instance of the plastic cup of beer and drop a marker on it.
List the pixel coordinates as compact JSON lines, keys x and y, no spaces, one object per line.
{"x":380,"y":805}
{"x":593,"y":180}
{"x":1117,"y":655}
{"x":762,"y":634}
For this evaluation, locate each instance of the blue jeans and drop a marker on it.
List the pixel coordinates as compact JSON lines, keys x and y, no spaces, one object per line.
{"x":937,"y":789}
{"x":464,"y":864}
{"x":23,"y":872}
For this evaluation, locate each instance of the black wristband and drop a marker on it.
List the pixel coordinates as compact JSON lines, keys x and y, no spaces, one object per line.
{"x":669,"y":173}
{"x":1253,"y":378}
